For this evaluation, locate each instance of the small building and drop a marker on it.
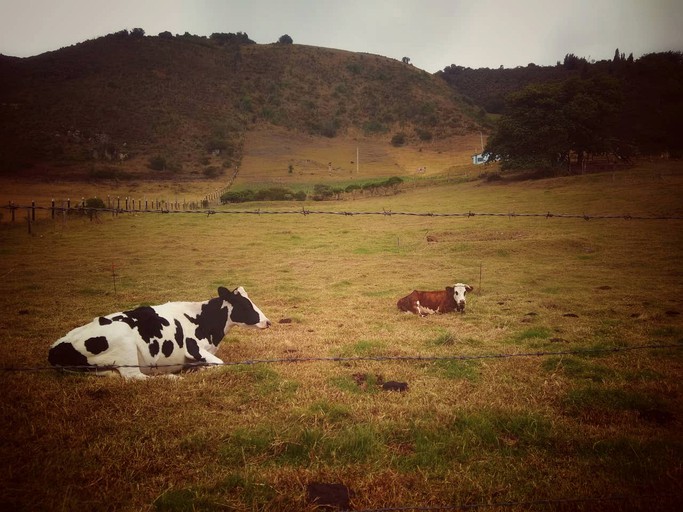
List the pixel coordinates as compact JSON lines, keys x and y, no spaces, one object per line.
{"x":480,"y":158}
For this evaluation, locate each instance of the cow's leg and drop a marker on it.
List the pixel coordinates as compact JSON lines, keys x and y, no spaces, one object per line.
{"x":201,"y":359}
{"x":132,"y":373}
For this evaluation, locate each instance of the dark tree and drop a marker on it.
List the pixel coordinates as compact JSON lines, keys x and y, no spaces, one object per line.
{"x":285,"y":39}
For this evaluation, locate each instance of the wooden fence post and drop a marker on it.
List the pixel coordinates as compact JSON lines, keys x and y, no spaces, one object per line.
{"x":53,"y":208}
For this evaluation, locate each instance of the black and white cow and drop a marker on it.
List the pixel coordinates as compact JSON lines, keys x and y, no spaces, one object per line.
{"x":151,"y":340}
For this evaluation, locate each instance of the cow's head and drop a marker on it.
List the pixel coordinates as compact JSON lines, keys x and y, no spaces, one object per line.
{"x":459,"y":292}
{"x":243,"y":311}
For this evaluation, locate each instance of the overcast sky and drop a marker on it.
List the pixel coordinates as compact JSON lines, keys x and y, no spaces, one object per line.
{"x":432,"y":33}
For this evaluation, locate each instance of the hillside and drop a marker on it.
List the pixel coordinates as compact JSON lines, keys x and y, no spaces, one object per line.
{"x":648,"y":94}
{"x":186,"y":102}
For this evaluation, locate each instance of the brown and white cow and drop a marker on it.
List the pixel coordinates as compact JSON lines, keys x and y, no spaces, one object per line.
{"x":441,"y":301}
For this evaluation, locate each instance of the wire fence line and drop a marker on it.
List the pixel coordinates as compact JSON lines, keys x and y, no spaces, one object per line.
{"x":341,"y":359}
{"x":31,"y":210}
{"x":652,"y":498}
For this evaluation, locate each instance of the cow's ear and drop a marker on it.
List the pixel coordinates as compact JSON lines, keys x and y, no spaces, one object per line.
{"x":224,"y":293}
{"x":468,"y":288}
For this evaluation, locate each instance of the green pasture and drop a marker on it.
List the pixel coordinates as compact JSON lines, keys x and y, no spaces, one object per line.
{"x":596,"y":425}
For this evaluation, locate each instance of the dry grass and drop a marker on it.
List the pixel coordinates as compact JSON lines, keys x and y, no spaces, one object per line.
{"x":253,"y":437}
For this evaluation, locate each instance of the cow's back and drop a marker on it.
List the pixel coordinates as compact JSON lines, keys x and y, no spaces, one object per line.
{"x":407,"y":303}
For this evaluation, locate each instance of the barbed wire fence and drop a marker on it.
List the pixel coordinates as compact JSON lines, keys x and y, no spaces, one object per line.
{"x":351,"y":359}
{"x":173,"y":208}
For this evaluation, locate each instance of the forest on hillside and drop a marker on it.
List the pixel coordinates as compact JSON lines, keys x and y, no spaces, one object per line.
{"x":623,"y":107}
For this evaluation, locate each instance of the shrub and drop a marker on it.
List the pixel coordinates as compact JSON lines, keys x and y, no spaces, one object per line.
{"x":157,"y":163}
{"x":273,"y":194}
{"x":399,"y":139}
{"x":394,"y":181}
{"x":322,"y":192}
{"x":425,"y":135}
{"x":374,"y":127}
{"x":242,"y":196}
{"x":94,"y":202}
{"x":211,"y":172}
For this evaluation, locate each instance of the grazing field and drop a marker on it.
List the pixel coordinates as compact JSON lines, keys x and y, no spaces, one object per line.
{"x":578,"y":424}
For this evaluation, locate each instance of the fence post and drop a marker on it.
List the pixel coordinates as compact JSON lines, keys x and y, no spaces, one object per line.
{"x":33,"y":212}
{"x":11,"y":207}
{"x":53,"y":208}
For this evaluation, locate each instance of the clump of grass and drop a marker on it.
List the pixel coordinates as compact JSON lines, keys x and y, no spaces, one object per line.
{"x":444,"y":338}
{"x":329,"y":412}
{"x":578,"y":369}
{"x":472,"y":433}
{"x":457,"y":369}
{"x":593,"y":398}
{"x":302,"y":444}
{"x":362,"y":348}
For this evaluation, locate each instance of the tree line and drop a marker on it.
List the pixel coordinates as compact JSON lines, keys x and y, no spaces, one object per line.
{"x":622,"y":107}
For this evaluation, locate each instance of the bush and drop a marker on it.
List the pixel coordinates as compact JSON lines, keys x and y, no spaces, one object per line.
{"x":94,"y":202}
{"x":242,"y":196}
{"x":157,"y":163}
{"x":394,"y":181}
{"x":273,"y":194}
{"x":212,"y":172}
{"x":322,"y":192}
{"x":374,"y":127}
{"x":266,"y":194}
{"x":285,"y":39}
{"x":425,"y":135}
{"x":398,"y":139}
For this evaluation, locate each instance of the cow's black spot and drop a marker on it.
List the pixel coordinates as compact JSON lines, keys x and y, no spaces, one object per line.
{"x":65,"y":354}
{"x":167,"y":348}
{"x":154,"y":348}
{"x":97,"y":344}
{"x":193,"y":349}
{"x":211,"y":321}
{"x":147,"y":321}
{"x":104,"y":320}
{"x":178,"y":333}
{"x":243,"y":311}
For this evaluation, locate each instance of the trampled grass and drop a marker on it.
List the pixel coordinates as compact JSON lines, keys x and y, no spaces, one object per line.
{"x":252,"y":437}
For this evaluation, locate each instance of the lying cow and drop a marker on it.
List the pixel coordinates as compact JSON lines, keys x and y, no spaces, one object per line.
{"x":157,"y":339}
{"x":442,"y":301}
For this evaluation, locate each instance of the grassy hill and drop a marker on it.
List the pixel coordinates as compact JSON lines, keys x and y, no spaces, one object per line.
{"x":186,"y":102}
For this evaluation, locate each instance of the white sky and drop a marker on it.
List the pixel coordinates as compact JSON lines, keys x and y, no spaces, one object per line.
{"x":432,"y":33}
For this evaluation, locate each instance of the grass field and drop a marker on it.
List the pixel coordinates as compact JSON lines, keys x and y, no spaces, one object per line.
{"x":603,"y":428}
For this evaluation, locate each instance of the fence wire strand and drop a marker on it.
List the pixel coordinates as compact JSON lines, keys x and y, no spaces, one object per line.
{"x":339,"y":359}
{"x":386,"y":213}
{"x":508,"y":504}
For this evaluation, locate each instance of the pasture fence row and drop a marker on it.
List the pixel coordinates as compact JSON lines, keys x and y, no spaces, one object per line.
{"x":353,"y":359}
{"x":160,"y":207}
